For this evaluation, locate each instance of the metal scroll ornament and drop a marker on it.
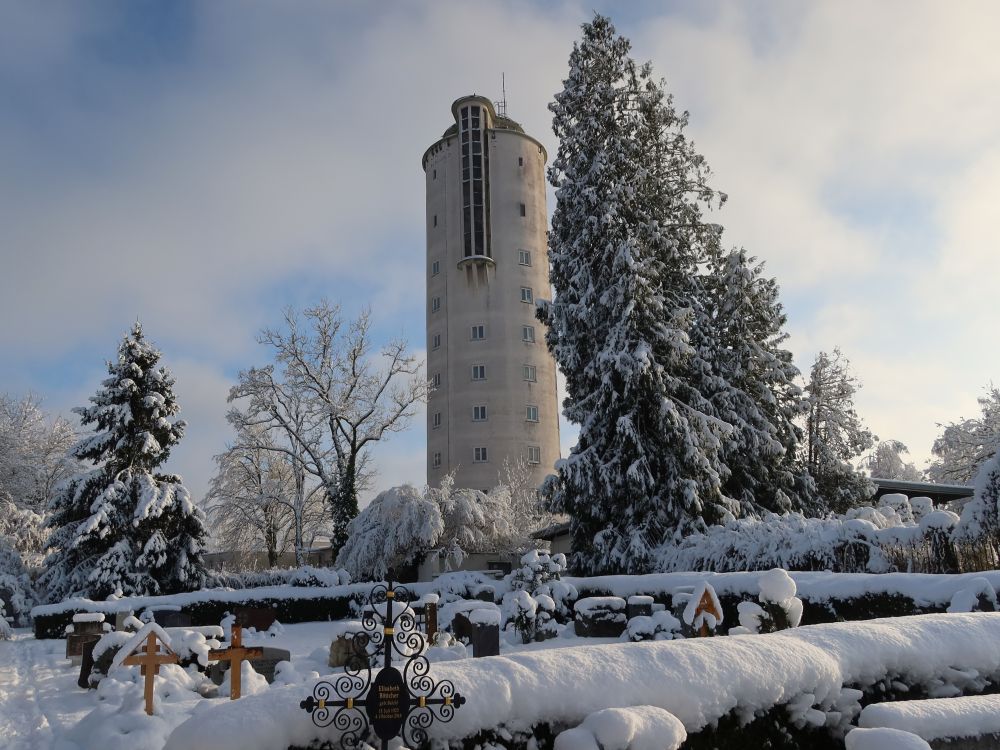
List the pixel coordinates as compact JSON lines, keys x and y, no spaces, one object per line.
{"x":392,"y":703}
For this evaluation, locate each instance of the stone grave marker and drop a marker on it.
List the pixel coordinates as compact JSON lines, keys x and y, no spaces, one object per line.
{"x":599,"y":617}
{"x":87,"y":662}
{"x":268,"y":661}
{"x":170,"y":618}
{"x":149,"y":659}
{"x":86,"y":626}
{"x":235,"y":655}
{"x":638,"y":606}
{"x":482,"y":629}
{"x":258,"y":618}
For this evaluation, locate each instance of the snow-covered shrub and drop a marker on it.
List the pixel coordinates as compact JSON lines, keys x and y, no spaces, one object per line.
{"x":898,"y":504}
{"x":307,"y":575}
{"x":541,"y":574}
{"x":5,"y":630}
{"x":980,"y":519}
{"x":633,"y":728}
{"x":977,"y":596}
{"x":779,"y":608}
{"x":396,"y":528}
{"x":660,"y":626}
{"x":519,"y":612}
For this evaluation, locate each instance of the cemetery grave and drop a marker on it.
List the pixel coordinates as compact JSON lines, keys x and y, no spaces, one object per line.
{"x":550,"y":652}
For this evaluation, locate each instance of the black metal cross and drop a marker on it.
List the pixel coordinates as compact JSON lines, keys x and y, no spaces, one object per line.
{"x":394,"y":702}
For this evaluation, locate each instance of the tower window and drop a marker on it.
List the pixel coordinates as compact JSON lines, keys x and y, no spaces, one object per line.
{"x":435,"y":174}
{"x":479,"y":372}
{"x":437,"y":420}
{"x":526,"y":295}
{"x":437,"y":460}
{"x":435,"y":219}
{"x":524,"y":210}
{"x":479,"y":455}
{"x":435,"y":304}
{"x":531,"y":413}
{"x":534,"y":454}
{"x":436,"y":268}
{"x":478,"y":332}
{"x":437,"y":380}
{"x":530,"y":374}
{"x":524,"y":257}
{"x":520,"y":161}
{"x":436,"y":341}
{"x":528,"y":334}
{"x":475,"y":183}
{"x":479,"y":413}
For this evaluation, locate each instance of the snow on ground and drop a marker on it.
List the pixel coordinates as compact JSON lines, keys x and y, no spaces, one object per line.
{"x":565,"y":681}
{"x":936,"y":719}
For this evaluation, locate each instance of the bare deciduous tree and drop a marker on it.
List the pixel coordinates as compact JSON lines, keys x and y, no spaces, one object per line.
{"x":255,"y":502}
{"x":330,"y":399}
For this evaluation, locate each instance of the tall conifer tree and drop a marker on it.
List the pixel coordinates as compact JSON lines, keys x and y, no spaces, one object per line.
{"x":751,"y":385}
{"x":626,"y":241}
{"x":122,"y":526}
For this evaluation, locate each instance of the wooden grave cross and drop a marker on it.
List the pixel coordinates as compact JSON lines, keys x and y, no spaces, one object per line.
{"x":150,"y":660}
{"x":707,"y":604}
{"x":235,"y":655}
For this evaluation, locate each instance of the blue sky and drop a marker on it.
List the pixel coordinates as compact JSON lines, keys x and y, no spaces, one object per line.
{"x":200,"y":165}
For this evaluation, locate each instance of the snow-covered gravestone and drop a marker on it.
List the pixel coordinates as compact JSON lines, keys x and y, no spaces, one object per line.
{"x":703,"y":613}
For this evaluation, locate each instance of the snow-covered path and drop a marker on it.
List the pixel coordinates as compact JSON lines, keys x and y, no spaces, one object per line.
{"x":39,"y":698}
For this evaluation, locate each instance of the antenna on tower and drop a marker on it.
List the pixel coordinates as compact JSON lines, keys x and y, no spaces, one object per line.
{"x":502,"y":104}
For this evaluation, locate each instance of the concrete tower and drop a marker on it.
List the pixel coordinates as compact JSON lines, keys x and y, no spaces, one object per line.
{"x":487,"y":262}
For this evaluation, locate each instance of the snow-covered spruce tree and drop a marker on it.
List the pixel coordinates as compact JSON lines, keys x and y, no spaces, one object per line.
{"x":835,"y":434}
{"x":751,"y":386}
{"x":121,"y":525}
{"x":980,"y":520}
{"x":625,"y":243}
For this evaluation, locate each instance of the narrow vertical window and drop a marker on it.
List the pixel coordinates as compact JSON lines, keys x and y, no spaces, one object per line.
{"x":526,"y":295}
{"x":534,"y":454}
{"x":437,"y":460}
{"x":478,"y":332}
{"x":524,"y":257}
{"x":435,"y":304}
{"x":530,"y":374}
{"x":479,"y":413}
{"x":531,"y":413}
{"x":524,"y":210}
{"x":520,"y":161}
{"x":437,"y":419}
{"x":479,"y":372}
{"x":435,"y":219}
{"x":435,"y":268}
{"x":528,"y":334}
{"x":437,"y":380}
{"x":479,"y":455}
{"x":475,"y":182}
{"x":436,"y":341}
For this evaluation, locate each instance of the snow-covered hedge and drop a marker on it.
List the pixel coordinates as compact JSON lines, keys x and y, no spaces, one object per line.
{"x":894,"y":536}
{"x":810,"y":681}
{"x":304,"y":576}
{"x":826,"y":597}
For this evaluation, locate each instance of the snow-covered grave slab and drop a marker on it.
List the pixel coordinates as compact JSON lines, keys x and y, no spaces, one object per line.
{"x":811,"y":670}
{"x":938,"y":718}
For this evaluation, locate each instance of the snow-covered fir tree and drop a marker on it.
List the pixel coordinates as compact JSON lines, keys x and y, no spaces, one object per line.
{"x":627,"y":236}
{"x":981,"y":516}
{"x":751,"y":385}
{"x":835,"y":434}
{"x":122,"y":526}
